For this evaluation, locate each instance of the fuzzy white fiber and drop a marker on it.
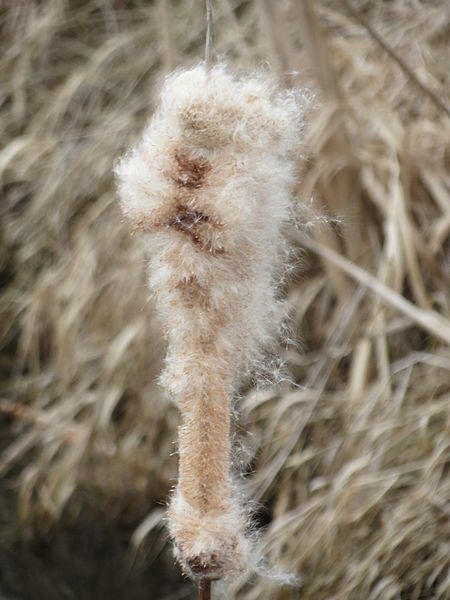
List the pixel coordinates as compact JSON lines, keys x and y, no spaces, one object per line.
{"x":211,"y":543}
{"x":210,"y":186}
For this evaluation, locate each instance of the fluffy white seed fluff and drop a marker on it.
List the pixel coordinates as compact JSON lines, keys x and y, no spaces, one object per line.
{"x":210,"y":186}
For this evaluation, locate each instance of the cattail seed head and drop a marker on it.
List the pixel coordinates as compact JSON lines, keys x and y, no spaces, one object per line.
{"x":210,"y":186}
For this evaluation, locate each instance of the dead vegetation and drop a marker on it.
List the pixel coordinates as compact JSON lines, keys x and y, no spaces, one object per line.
{"x":351,"y":464}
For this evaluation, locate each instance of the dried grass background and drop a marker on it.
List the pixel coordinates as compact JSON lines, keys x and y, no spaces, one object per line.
{"x":350,"y":466}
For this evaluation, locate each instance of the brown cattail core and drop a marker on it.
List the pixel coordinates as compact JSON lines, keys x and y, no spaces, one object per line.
{"x":205,"y":451}
{"x":204,"y":522}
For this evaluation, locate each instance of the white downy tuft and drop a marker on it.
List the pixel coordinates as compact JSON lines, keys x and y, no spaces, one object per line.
{"x":210,"y":186}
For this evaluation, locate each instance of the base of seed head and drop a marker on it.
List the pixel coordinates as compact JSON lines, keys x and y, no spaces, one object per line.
{"x":208,"y":546}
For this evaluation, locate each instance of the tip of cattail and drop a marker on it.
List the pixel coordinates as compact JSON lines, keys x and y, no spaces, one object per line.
{"x":213,"y":109}
{"x":205,"y":118}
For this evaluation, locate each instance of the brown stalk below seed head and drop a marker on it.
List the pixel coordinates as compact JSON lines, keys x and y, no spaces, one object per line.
{"x":205,"y":589}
